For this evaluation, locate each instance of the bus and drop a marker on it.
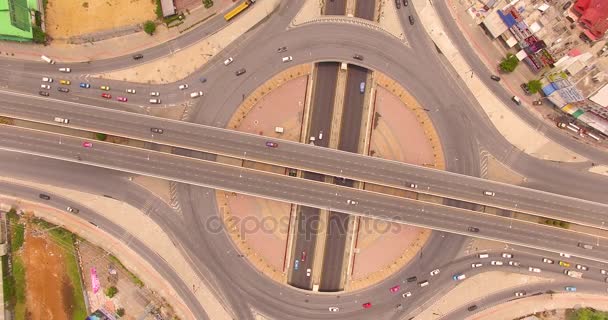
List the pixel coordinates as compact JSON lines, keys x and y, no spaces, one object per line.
{"x":238,"y":9}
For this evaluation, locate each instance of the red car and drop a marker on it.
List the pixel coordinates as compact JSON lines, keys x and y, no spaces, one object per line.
{"x":303,"y":256}
{"x":395,"y":288}
{"x":367,"y":305}
{"x":106,"y":95}
{"x":121,"y":99}
{"x":271,"y":144}
{"x":87,"y":144}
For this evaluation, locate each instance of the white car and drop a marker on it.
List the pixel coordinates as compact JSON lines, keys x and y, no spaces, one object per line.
{"x":61,"y":120}
{"x":47,"y":79}
{"x":228,"y":61}
{"x":407,"y":294}
{"x":196,"y":94}
{"x":353,"y":202}
{"x":514,"y":263}
{"x":520,"y":293}
{"x":496,"y":263}
{"x":287,"y":59}
{"x":545,"y":260}
{"x":154,"y":94}
{"x":45,"y":86}
{"x":582,"y":267}
{"x":532,"y":269}
{"x":183,"y":86}
{"x":308,"y":272}
{"x":602,"y":271}
{"x":507,"y":255}
{"x":565,"y":255}
{"x":413,"y":186}
{"x":489,"y":193}
{"x":476,"y":265}
{"x":334,"y":309}
{"x":66,"y":70}
{"x":434,"y":272}
{"x":132,"y":91}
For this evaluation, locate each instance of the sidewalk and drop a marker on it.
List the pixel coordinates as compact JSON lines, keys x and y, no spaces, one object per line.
{"x":514,"y":129}
{"x":137,"y":225}
{"x":526,"y":306}
{"x":474,"y":288}
{"x":110,"y":48}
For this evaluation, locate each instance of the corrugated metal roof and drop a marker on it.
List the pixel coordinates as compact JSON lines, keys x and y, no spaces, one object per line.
{"x":601,"y":97}
{"x":168,"y":7}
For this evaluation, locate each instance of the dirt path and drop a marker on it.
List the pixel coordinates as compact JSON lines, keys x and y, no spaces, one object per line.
{"x":48,"y":289}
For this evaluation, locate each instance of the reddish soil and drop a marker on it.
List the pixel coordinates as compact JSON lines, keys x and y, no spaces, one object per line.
{"x":48,"y":289}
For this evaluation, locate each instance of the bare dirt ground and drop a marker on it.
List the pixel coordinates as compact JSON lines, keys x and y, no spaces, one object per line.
{"x":259,"y":226}
{"x":68,"y":18}
{"x":383,"y":248}
{"x":48,"y":289}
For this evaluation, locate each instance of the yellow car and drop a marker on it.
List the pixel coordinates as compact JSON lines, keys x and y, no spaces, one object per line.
{"x":64,"y":81}
{"x":564,"y":264}
{"x":106,"y":88}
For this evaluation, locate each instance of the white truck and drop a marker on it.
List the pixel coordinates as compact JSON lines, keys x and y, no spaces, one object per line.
{"x":574,"y":274}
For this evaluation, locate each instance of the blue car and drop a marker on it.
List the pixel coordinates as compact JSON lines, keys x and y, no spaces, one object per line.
{"x":571,"y":289}
{"x":85,"y":85}
{"x":296,"y":265}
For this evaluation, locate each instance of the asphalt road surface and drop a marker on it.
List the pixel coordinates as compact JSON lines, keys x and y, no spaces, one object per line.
{"x":311,"y":158}
{"x":301,"y":191}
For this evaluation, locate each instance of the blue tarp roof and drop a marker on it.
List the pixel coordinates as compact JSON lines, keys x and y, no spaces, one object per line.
{"x":508,"y":19}
{"x":548,"y":89}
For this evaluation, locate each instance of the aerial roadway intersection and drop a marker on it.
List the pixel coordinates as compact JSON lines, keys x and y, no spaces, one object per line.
{"x":309,"y":160}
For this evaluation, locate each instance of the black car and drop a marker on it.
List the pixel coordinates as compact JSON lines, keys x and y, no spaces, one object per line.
{"x":473,"y":229}
{"x":43,"y":93}
{"x":398,"y":4}
{"x":202,"y":79}
{"x":44,"y":196}
{"x":405,"y":3}
{"x":411,"y":20}
{"x":471,"y":308}
{"x":62,"y":89}
{"x":157,"y":130}
{"x":138,"y":56}
{"x":524,"y":86}
{"x":358,"y":57}
{"x":281,"y":49}
{"x":495,"y":78}
{"x":240,"y":72}
{"x":412,"y":279}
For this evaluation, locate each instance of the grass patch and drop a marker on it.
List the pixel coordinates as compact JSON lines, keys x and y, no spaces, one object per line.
{"x":158,"y":10}
{"x":133,"y":277}
{"x":65,"y":240}
{"x":19,"y":278}
{"x":8,"y":282}
{"x":557,"y":223}
{"x":17,"y":232}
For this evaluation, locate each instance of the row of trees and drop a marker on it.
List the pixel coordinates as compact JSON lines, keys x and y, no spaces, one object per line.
{"x":510,"y":63}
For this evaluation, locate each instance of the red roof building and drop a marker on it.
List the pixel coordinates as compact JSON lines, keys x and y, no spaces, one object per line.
{"x":593,"y":16}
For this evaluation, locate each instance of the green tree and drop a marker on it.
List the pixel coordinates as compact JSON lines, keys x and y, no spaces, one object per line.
{"x":534,"y":86}
{"x":509,"y":63}
{"x":111,"y":291}
{"x":38,"y":35}
{"x":101,"y":136}
{"x":149,"y":27}
{"x":120,"y":312}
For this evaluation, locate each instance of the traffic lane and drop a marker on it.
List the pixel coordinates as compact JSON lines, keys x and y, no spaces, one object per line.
{"x":352,"y":112}
{"x":335,"y":7}
{"x":333,"y":259}
{"x":301,"y":191}
{"x":365,"y":9}
{"x":306,"y":239}
{"x":99,"y":221}
{"x":392,"y":173}
{"x":323,"y":102}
